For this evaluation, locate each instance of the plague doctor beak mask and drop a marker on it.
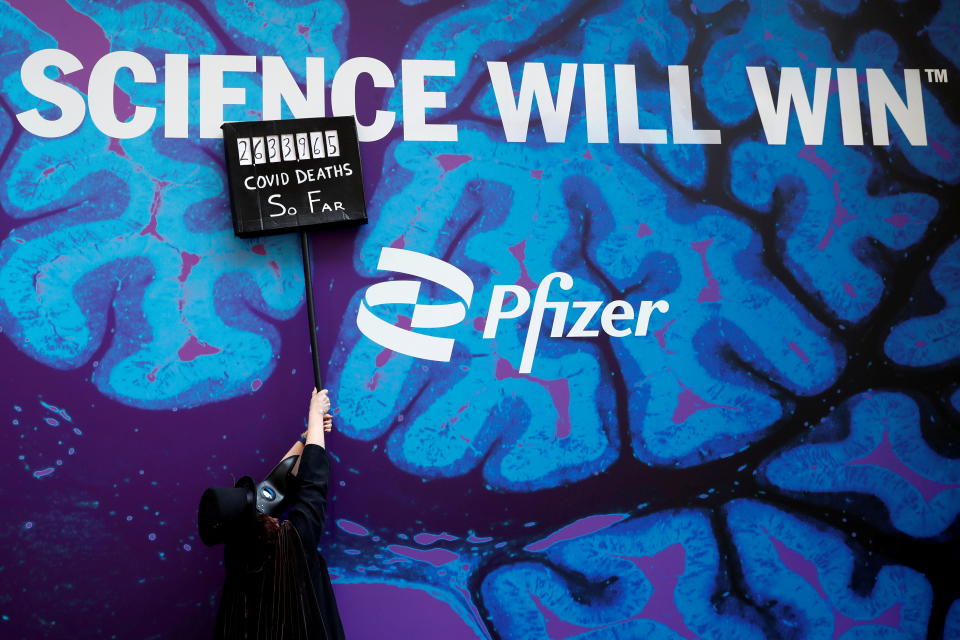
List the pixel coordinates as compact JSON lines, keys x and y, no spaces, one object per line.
{"x":227,"y":514}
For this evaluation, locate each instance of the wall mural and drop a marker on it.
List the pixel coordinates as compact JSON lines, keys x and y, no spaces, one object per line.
{"x":778,"y":458}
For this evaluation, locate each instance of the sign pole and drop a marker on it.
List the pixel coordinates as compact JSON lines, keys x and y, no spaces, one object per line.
{"x":311,"y":313}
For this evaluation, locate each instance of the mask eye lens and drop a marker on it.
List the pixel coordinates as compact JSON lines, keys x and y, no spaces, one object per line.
{"x":268,"y":493}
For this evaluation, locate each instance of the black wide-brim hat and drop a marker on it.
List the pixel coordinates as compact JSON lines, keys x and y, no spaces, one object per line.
{"x":226,"y":513}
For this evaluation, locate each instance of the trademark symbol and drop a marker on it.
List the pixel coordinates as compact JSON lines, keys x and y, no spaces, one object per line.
{"x":937,"y":76}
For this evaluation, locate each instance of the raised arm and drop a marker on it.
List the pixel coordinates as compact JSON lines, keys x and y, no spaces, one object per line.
{"x":319,"y":422}
{"x":319,"y":407}
{"x":308,"y":510}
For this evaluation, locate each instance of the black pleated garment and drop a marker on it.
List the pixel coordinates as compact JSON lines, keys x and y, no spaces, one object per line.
{"x":268,"y":594}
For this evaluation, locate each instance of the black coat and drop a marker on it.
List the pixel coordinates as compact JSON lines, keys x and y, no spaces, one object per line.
{"x":308,"y":513}
{"x":277,"y":586}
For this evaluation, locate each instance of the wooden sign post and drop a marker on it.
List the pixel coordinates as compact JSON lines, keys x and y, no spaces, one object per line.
{"x":295,"y":175}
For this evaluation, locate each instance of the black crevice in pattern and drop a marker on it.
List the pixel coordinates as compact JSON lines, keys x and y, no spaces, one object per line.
{"x":732,"y":570}
{"x":623,"y":436}
{"x":465,"y":226}
{"x":16,"y":131}
{"x":211,"y":23}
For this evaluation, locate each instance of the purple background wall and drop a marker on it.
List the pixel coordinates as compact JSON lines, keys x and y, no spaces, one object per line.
{"x":778,"y":460}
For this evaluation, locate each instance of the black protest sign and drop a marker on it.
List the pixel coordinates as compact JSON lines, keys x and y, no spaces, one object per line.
{"x":294,"y":175}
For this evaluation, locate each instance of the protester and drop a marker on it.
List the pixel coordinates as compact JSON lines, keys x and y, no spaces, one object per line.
{"x":277,"y":585}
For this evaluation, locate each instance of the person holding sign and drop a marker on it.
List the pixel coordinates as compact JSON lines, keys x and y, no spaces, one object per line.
{"x":277,"y":585}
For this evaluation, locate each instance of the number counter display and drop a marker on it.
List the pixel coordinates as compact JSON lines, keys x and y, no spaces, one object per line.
{"x":293,"y":175}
